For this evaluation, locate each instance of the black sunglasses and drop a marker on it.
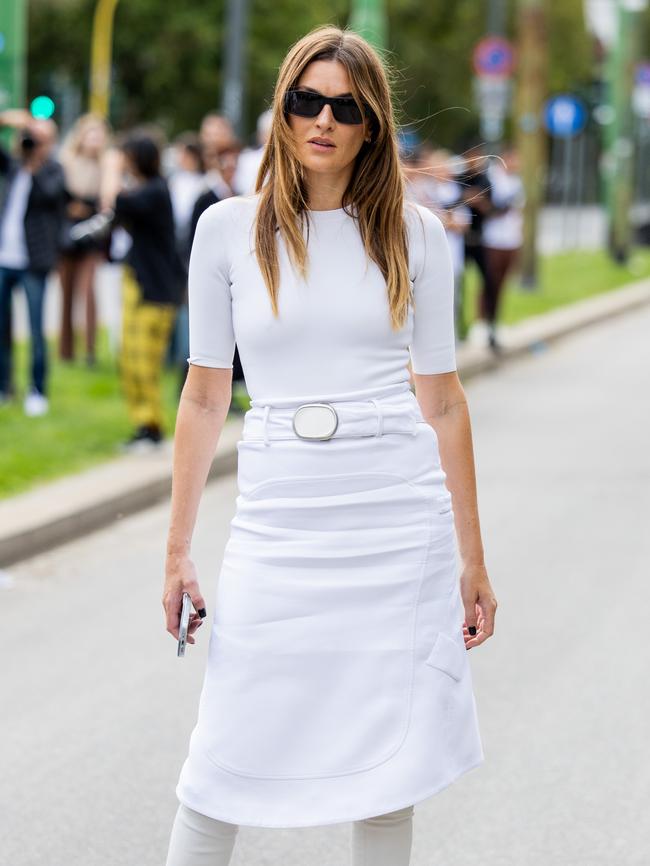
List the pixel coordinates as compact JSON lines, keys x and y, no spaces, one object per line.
{"x":304,"y":103}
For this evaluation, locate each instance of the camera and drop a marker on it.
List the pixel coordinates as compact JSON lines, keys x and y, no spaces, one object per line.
{"x":27,"y":141}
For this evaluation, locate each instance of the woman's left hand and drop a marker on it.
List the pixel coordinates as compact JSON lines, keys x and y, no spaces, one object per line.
{"x":479,"y":602}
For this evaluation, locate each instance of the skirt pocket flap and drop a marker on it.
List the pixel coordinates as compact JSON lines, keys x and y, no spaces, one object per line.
{"x":446,"y":655}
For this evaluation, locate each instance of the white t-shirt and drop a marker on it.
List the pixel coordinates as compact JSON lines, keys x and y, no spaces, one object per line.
{"x":13,"y":244}
{"x":184,"y":189}
{"x":505,"y":231}
{"x":333,"y":335}
{"x":248,"y":164}
{"x":448,"y":194}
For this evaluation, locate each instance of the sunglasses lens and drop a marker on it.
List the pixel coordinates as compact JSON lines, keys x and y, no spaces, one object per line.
{"x":306,"y":104}
{"x":346,"y":111}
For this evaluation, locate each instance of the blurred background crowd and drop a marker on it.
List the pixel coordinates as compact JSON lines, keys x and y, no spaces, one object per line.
{"x":523,"y":124}
{"x":154,"y":191}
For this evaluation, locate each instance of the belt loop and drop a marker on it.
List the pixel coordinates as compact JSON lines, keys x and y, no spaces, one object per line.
{"x":380,"y":416}
{"x":265,"y":418}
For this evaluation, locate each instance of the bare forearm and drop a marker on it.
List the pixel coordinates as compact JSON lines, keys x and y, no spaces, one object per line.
{"x":453,"y":428}
{"x":198,"y":429}
{"x":111,"y":180}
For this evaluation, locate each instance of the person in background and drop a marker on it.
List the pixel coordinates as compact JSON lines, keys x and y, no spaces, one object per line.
{"x":456,"y":218}
{"x":152,"y":283}
{"x":476,"y":194}
{"x":419,"y":173}
{"x":186,"y":183}
{"x":503,"y":231}
{"x":31,"y":215}
{"x":220,"y":178}
{"x":250,"y":158}
{"x":81,"y":156}
{"x":220,"y":170}
{"x":431,"y":183}
{"x":216,"y":134}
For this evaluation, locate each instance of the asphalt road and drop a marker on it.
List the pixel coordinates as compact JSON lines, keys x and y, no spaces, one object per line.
{"x":97,"y":709}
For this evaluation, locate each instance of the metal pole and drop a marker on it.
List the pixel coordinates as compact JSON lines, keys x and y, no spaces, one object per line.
{"x":496,"y":17}
{"x":234,"y":71}
{"x":580,"y":172}
{"x":13,"y":57}
{"x":567,"y":147}
{"x":368,"y":18}
{"x":101,"y":57}
{"x":531,"y":137}
{"x":619,"y":159}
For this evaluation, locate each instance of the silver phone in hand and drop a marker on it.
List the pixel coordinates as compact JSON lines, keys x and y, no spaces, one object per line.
{"x":185,"y":621}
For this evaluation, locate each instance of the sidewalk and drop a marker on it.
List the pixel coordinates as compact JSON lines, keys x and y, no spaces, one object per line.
{"x":58,"y":511}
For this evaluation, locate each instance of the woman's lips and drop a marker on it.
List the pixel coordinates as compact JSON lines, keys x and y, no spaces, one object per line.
{"x":318,"y":146}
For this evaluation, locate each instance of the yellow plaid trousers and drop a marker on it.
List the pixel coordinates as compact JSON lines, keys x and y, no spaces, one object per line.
{"x":146,"y":330}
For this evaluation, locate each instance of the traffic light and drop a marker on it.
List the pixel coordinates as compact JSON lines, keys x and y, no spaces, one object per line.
{"x":42,"y":107}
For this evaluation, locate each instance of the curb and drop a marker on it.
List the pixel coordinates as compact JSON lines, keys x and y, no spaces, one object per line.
{"x":62,"y":510}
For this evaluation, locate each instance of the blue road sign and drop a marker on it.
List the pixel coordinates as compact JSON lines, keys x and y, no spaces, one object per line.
{"x":565,"y":115}
{"x":642,"y":75}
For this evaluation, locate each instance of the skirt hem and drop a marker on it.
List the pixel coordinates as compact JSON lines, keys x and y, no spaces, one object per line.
{"x":323,"y":822}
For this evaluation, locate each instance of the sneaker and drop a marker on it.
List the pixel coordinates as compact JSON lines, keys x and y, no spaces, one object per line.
{"x":477,"y":334}
{"x":35,"y":403}
{"x":493,"y":341}
{"x":145,"y":438}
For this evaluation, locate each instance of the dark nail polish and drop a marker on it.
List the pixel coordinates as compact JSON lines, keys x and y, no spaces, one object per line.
{"x":202,"y":613}
{"x":471,"y":629}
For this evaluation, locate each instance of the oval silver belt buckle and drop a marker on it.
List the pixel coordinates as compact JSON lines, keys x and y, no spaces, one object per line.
{"x":315,"y":421}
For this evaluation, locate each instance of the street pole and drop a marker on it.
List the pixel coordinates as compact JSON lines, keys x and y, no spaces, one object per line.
{"x":13,"y":57}
{"x":101,"y":57}
{"x":619,"y":134}
{"x":530,"y":133}
{"x":369,"y":19}
{"x":234,"y":71}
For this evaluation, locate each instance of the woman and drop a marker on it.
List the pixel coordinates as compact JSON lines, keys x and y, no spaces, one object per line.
{"x":186,"y":183}
{"x":81,"y":157}
{"x":503,"y":232}
{"x":152,"y":282}
{"x":338,"y":685}
{"x":221,"y":167}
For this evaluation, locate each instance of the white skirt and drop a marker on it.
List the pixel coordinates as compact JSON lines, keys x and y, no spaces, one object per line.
{"x":338,"y":686}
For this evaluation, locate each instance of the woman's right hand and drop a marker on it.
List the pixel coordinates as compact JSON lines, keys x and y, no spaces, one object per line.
{"x":180,"y":577}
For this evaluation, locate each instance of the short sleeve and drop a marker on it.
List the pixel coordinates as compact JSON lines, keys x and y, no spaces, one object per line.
{"x":433,"y":344}
{"x":212,"y":338}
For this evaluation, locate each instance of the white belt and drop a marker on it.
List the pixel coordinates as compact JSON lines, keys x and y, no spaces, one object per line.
{"x":322,"y":421}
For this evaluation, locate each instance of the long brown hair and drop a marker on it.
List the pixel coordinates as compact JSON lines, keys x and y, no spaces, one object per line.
{"x":376,"y":188}
{"x":83,"y":173}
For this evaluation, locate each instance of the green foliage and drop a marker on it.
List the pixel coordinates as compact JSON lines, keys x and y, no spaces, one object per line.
{"x":85,"y":425}
{"x":168,"y":56}
{"x":564,"y":278}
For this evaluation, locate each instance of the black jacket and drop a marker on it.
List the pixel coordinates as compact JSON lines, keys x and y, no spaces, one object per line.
{"x":203,"y":202}
{"x":45,"y":209}
{"x":146,"y":213}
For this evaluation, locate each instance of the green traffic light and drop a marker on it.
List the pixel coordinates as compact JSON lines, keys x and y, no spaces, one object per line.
{"x":42,"y":107}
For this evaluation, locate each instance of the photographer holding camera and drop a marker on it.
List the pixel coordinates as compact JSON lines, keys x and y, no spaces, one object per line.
{"x":31,"y":213}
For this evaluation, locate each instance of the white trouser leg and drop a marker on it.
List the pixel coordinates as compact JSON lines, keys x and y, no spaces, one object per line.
{"x":384,"y":840}
{"x":197,"y":840}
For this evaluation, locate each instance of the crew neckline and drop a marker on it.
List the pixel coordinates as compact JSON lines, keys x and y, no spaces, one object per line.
{"x":332,"y":213}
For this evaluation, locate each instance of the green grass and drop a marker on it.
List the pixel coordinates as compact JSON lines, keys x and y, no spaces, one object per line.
{"x":88,"y":420}
{"x":563,"y":279}
{"x":86,"y":423}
